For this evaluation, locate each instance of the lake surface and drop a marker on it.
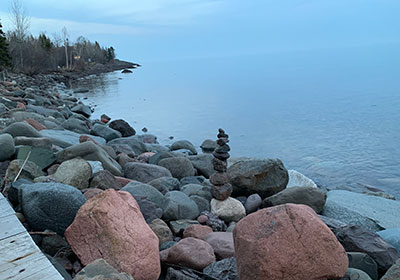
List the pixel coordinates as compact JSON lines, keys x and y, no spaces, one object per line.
{"x":333,"y":115}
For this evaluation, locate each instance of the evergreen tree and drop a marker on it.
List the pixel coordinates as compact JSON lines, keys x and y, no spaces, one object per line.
{"x":5,"y":59}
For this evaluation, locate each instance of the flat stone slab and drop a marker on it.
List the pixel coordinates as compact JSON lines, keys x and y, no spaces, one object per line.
{"x":357,"y":208}
{"x":66,"y":138}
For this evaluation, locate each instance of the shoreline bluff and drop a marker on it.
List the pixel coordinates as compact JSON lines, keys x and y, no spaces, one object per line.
{"x":101,"y":200}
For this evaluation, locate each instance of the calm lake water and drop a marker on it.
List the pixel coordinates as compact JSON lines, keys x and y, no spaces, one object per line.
{"x":333,"y":115}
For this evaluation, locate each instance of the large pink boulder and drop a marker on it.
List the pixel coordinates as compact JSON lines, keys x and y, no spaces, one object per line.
{"x":288,"y":241}
{"x":111,"y":226}
{"x":222,"y":243}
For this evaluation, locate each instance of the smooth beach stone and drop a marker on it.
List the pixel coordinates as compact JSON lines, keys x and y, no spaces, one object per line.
{"x":105,"y":132}
{"x":7,"y":147}
{"x":197,"y":231}
{"x":40,"y":156}
{"x":30,"y":170}
{"x":179,"y":167}
{"x":66,"y":138}
{"x":296,"y":179}
{"x":220,"y":165}
{"x":364,"y":262}
{"x":123,"y":127}
{"x":101,"y":270}
{"x":202,"y":203}
{"x":253,"y":202}
{"x":264,"y":177}
{"x":203,"y":164}
{"x":183,"y":144}
{"x":375,"y":213}
{"x":74,"y":172}
{"x":196,"y":189}
{"x":21,"y":129}
{"x":82,"y":109}
{"x":165,"y":184}
{"x":313,"y":197}
{"x":181,"y":274}
{"x":177,"y":205}
{"x":139,"y":189}
{"x":222,"y":243}
{"x":105,"y":180}
{"x":161,"y":229}
{"x":167,"y":245}
{"x":144,"y":172}
{"x":355,"y":274}
{"x":76,"y":125}
{"x":228,"y":210}
{"x":122,"y":148}
{"x":221,"y":192}
{"x":149,"y":209}
{"x":90,"y":151}
{"x":178,"y":227}
{"x":208,"y":145}
{"x":39,"y":142}
{"x":50,"y":206}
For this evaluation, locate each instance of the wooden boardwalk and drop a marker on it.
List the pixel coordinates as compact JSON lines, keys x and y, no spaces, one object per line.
{"x":20,"y":258}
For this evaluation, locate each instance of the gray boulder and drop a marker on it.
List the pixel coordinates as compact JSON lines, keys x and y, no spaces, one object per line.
{"x":76,"y":125}
{"x":40,"y":156}
{"x":183,"y":144}
{"x":66,"y":138}
{"x":21,"y":129}
{"x":149,"y":209}
{"x":203,"y":164}
{"x":104,"y":180}
{"x":105,"y":132}
{"x":138,"y":189}
{"x":177,"y":205}
{"x":155,"y":159}
{"x":253,"y":202}
{"x":265,"y":177}
{"x":123,"y":127}
{"x":196,"y":189}
{"x":29,"y":172}
{"x":135,"y":142}
{"x":123,"y":148}
{"x":178,"y":166}
{"x":313,"y":197}
{"x":144,"y":172}
{"x":357,"y":239}
{"x":363,"y":262}
{"x":82,"y":109}
{"x":208,"y":146}
{"x":101,"y":270}
{"x":7,"y":149}
{"x":372,"y":212}
{"x":225,"y":269}
{"x":393,"y":273}
{"x":391,"y":236}
{"x":165,"y":184}
{"x":202,"y":203}
{"x":355,"y":274}
{"x":39,"y":142}
{"x":74,"y":172}
{"x":90,"y":151}
{"x":296,"y":179}
{"x":50,"y":206}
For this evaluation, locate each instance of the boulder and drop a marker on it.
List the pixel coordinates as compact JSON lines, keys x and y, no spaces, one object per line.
{"x":90,"y":151}
{"x":7,"y":147}
{"x":157,"y":157}
{"x":39,"y":142}
{"x":123,"y":127}
{"x":134,"y":142}
{"x":82,"y":109}
{"x":296,"y":179}
{"x":393,"y":273}
{"x":178,"y":227}
{"x":178,"y":166}
{"x":374,"y":213}
{"x":21,"y":129}
{"x":165,"y":184}
{"x":104,"y":180}
{"x":222,"y":243}
{"x":161,"y":229}
{"x":290,"y":242}
{"x":50,"y":206}
{"x":29,"y":172}
{"x":123,"y":149}
{"x":144,"y":172}
{"x":357,"y":239}
{"x":203,"y":164}
{"x":313,"y":197}
{"x":192,"y":253}
{"x":363,"y":262}
{"x":228,"y":210}
{"x":40,"y":156}
{"x":76,"y":125}
{"x":202,"y":203}
{"x":101,"y":270}
{"x":208,"y":146}
{"x":197,"y":231}
{"x":183,"y":144}
{"x":177,"y":205}
{"x":66,"y":138}
{"x":149,"y":209}
{"x":105,"y":132}
{"x":92,"y":192}
{"x":74,"y":172}
{"x":264,"y":177}
{"x":196,"y":189}
{"x":225,"y":269}
{"x":355,"y":274}
{"x":391,"y":236}
{"x":52,"y":244}
{"x":111,"y":226}
{"x":138,"y":189}
{"x":181,"y":274}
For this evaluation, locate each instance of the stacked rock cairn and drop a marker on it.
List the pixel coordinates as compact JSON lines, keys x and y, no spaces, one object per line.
{"x":221,"y":189}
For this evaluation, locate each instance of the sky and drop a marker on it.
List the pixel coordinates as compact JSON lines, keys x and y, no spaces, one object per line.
{"x":152,"y":30}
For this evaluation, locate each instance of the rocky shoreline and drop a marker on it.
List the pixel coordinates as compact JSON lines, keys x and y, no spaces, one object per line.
{"x":102,"y":201}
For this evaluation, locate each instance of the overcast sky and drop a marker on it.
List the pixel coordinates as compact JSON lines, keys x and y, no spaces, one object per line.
{"x":169,"y":29}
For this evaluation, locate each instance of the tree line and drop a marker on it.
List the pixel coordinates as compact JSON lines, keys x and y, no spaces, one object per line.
{"x":23,"y":52}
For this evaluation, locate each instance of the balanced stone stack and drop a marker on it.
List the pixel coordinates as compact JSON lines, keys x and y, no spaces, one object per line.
{"x":221,"y":188}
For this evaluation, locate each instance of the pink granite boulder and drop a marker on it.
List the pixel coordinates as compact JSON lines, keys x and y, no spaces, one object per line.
{"x":197,"y":231}
{"x":111,"y":226}
{"x":288,"y":241}
{"x":222,"y":243}
{"x":189,"y":252}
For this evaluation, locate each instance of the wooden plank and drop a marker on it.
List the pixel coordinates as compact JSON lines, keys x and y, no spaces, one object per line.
{"x":5,"y":207}
{"x":9,"y":226}
{"x":21,"y":259}
{"x":49,"y":273}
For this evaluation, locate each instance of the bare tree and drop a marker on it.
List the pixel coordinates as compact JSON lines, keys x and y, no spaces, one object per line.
{"x":21,"y":22}
{"x":65,"y":37}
